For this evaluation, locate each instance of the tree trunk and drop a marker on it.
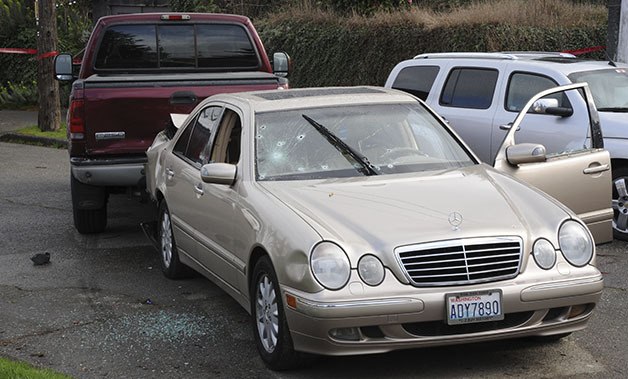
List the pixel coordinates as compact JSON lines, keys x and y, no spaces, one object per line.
{"x":48,"y":88}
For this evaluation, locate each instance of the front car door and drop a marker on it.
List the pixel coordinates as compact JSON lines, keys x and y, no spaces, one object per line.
{"x":577,"y":176}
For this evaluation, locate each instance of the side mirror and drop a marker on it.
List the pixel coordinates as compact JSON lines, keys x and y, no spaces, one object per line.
{"x":282,"y":64}
{"x":525,"y":153}
{"x":550,"y":106}
{"x":63,"y":68}
{"x":219,"y":173}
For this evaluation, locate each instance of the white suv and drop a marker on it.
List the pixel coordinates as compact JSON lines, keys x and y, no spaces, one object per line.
{"x":480,"y":94}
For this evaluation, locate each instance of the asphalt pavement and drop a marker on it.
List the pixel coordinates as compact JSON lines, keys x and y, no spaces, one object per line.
{"x":102,"y":309}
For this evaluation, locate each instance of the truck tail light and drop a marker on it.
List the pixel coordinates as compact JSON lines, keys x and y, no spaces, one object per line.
{"x":77,"y":119}
{"x":175,"y":17}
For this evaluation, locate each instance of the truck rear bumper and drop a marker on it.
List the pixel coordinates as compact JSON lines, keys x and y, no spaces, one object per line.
{"x":122,"y":172}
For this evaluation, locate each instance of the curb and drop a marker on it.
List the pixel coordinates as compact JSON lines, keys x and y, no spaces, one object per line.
{"x":33,"y":140}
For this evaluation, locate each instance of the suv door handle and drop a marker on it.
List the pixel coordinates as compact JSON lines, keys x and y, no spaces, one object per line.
{"x":198,"y":189}
{"x":508,"y":126}
{"x":596,"y":169}
{"x":169,"y":174}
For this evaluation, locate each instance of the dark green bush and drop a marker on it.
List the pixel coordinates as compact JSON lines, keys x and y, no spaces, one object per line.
{"x":332,"y":53}
{"x":18,"y":95}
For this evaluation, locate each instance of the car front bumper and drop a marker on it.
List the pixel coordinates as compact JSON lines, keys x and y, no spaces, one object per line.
{"x":414,"y":317}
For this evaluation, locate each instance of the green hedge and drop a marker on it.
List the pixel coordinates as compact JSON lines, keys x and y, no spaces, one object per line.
{"x":332,"y":53}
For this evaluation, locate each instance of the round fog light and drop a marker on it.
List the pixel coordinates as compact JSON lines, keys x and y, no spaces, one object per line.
{"x":544,"y":254}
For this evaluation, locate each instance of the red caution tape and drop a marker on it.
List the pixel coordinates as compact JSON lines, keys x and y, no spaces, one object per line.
{"x":10,"y":50}
{"x":585,"y":50}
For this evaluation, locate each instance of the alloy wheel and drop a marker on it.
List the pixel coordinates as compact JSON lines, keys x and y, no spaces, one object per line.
{"x":620,"y":205}
{"x":267,"y":313}
{"x":166,"y":240}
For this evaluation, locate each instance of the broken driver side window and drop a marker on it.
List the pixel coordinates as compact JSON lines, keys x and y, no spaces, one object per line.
{"x":227,"y":143}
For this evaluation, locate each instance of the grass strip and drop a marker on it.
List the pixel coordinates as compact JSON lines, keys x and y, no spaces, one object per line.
{"x":18,"y":370}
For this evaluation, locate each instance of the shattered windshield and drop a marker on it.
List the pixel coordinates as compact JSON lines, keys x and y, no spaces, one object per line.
{"x":609,"y":87}
{"x":392,"y":138}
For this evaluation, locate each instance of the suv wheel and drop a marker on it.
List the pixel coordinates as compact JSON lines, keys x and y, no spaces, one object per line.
{"x":91,"y":220}
{"x":620,"y":203}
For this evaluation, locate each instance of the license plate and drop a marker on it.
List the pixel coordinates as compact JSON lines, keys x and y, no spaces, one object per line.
{"x":468,"y":307}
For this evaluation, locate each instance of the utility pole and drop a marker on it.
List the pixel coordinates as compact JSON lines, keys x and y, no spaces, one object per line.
{"x":47,"y":87}
{"x":617,"y":37}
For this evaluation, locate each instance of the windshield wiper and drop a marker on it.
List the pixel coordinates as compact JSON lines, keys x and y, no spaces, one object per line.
{"x":613,"y":109}
{"x":346,"y":150}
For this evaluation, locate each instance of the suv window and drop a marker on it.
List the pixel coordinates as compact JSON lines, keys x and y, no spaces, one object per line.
{"x":416,"y":80}
{"x":469,"y":88}
{"x":208,"y":46}
{"x":522,"y":86}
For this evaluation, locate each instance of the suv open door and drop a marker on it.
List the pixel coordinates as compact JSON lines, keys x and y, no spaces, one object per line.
{"x":579,"y":176}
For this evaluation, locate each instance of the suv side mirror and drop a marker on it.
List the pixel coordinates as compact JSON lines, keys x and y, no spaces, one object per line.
{"x":550,"y":106}
{"x":63,"y":68}
{"x":282,"y":64}
{"x":525,"y":153}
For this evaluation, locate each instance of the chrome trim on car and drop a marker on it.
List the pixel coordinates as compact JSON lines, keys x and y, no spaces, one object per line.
{"x":363,"y":307}
{"x":467,"y":261}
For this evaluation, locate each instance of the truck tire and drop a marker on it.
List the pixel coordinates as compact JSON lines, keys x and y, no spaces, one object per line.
{"x":90,"y":219}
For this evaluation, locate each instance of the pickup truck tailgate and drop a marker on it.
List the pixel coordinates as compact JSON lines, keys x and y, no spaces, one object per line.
{"x":123,"y":113}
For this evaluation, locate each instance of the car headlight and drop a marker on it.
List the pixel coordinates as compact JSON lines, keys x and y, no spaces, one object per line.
{"x":371,"y":270}
{"x":544,"y":254}
{"x":575,"y":243}
{"x":330,"y":265}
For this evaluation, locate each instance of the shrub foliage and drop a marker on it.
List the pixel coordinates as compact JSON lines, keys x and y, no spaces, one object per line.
{"x":331,"y":53}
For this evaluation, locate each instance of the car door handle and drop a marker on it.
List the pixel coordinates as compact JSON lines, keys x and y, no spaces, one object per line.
{"x":198,"y":189}
{"x":508,"y":126}
{"x":169,"y":174}
{"x":596,"y":169}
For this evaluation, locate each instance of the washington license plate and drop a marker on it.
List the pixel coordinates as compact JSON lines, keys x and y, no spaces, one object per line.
{"x":468,"y":307}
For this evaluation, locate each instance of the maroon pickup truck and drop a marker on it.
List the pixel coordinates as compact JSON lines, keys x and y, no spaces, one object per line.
{"x":135,"y":71}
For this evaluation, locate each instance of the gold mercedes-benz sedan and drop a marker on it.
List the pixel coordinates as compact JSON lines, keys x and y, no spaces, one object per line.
{"x":355,"y":221}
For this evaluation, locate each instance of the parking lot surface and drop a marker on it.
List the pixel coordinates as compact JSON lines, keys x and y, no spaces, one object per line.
{"x":102,"y":308}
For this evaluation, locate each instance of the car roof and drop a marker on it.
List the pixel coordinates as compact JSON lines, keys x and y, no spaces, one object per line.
{"x":564,"y":63}
{"x":264,"y":101}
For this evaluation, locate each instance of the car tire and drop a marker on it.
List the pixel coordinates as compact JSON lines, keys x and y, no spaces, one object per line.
{"x":270,"y":328}
{"x":171,"y":266}
{"x":620,"y":203}
{"x":88,"y":221}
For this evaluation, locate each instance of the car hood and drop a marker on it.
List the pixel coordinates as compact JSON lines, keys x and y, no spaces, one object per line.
{"x":614,"y":124}
{"x":383,"y":212}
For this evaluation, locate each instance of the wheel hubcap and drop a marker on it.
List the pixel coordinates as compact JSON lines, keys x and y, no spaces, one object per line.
{"x":620,"y":205}
{"x":166,"y":240}
{"x":267,"y":313}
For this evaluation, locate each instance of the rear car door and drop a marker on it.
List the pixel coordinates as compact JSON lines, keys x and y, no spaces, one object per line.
{"x":182,"y":176}
{"x":578,"y":175}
